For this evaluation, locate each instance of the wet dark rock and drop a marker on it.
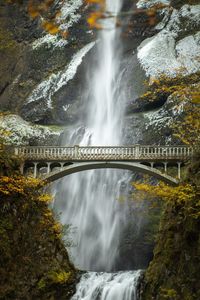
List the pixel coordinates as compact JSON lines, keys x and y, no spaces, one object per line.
{"x":178,"y":3}
{"x":142,"y":105}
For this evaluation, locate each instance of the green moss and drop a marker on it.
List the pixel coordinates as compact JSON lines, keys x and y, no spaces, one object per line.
{"x":56,"y":128}
{"x":58,"y":277}
{"x":168,"y":293}
{"x":163,"y":87}
{"x":179,"y":3}
{"x":6,"y":40}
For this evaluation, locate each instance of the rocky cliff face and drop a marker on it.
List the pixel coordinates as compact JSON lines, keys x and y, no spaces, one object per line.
{"x":173,"y":272}
{"x":39,"y":72}
{"x":34,"y":262}
{"x":43,"y":75}
{"x":172,"y":53}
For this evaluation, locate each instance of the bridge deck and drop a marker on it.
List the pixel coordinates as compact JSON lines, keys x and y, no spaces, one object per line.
{"x":117,"y":153}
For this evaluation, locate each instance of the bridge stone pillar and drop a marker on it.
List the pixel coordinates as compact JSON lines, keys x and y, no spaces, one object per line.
{"x":179,"y":170}
{"x":35,"y":169}
{"x":165,"y":166}
{"x":152,"y":164}
{"x":48,"y":167}
{"x":22,"y":168}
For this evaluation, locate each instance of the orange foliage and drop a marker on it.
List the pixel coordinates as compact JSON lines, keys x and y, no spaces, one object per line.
{"x":18,"y":185}
{"x":51,"y":23}
{"x":64,"y":34}
{"x":50,"y":27}
{"x":184,"y":195}
{"x":36,"y":9}
{"x":196,"y":96}
{"x":96,"y":15}
{"x":93,"y":20}
{"x":42,"y":10}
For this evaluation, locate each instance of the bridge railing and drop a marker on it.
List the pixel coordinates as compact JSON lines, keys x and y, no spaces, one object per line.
{"x":133,"y":152}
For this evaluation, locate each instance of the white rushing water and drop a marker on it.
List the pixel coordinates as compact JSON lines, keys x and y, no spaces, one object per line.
{"x":108,"y":286}
{"x":89,"y":200}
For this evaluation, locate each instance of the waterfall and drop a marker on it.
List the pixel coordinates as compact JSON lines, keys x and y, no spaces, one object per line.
{"x":108,"y":286}
{"x":89,"y":200}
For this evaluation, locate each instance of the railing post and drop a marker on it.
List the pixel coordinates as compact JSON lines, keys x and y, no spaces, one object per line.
{"x":184,"y":151}
{"x":76,"y":151}
{"x":137,"y":151}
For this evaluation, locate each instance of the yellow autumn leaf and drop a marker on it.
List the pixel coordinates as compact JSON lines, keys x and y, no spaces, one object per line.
{"x":50,"y":27}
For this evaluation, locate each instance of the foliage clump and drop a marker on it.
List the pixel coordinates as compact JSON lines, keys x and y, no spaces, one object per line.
{"x":55,"y":277}
{"x":168,"y":193}
{"x":6,"y":40}
{"x":187,"y":127}
{"x":174,"y":271}
{"x":182,"y":98}
{"x":47,"y":12}
{"x":164,"y":86}
{"x":34,"y":263}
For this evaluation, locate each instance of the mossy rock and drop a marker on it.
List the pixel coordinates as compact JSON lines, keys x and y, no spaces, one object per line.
{"x":34,"y":263}
{"x":174,"y":271}
{"x":179,"y":3}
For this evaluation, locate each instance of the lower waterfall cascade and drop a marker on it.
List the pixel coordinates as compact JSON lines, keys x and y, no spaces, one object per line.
{"x":88,"y":201}
{"x":108,"y":286}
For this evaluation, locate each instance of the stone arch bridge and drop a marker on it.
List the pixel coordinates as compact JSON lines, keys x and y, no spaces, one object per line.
{"x":52,"y":163}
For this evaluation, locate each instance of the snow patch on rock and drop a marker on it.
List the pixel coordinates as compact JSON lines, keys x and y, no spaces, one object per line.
{"x":46,"y":89}
{"x":188,"y":52}
{"x":69,"y":13}
{"x":48,"y":40}
{"x":157,"y":118}
{"x":21,"y":132}
{"x":166,"y":53}
{"x":167,"y":114}
{"x":143,"y":4}
{"x":68,"y":16}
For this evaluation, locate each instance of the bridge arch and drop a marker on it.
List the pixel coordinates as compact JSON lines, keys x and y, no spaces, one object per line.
{"x":131,"y":166}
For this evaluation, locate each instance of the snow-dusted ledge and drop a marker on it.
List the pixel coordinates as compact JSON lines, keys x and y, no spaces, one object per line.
{"x":49,"y":40}
{"x":21,"y":132}
{"x":47,"y":88}
{"x":165,"y":53}
{"x":143,"y":4}
{"x":69,"y":15}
